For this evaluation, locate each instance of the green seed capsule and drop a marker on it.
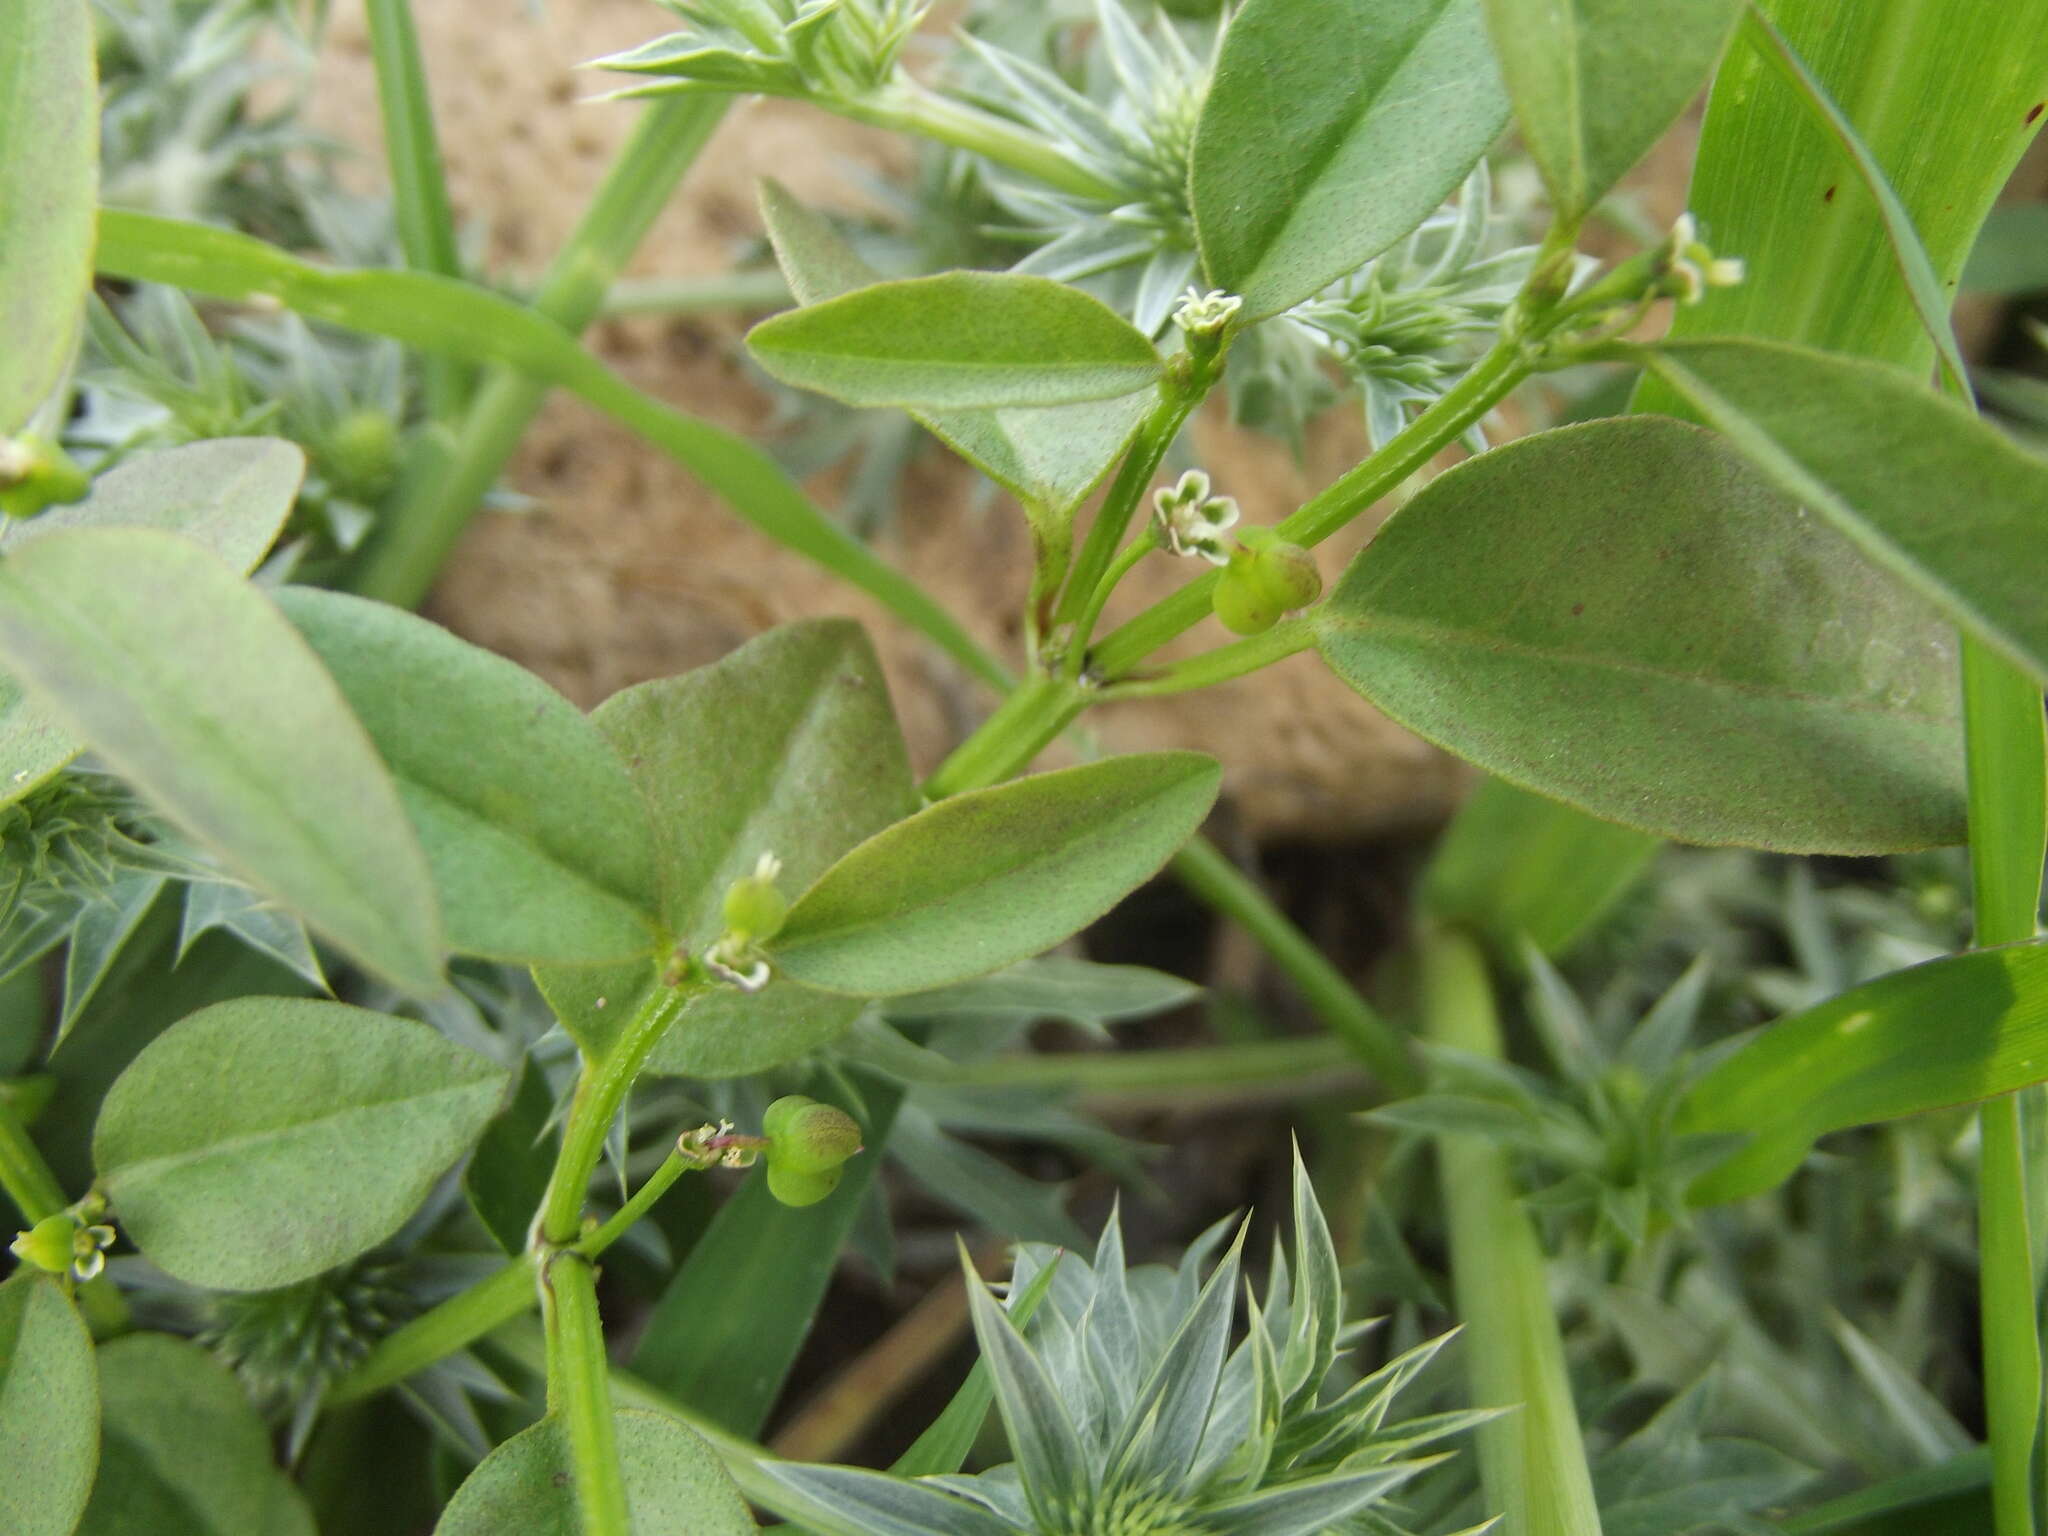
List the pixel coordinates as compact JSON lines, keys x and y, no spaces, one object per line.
{"x":754,"y":909}
{"x":362,"y":453}
{"x":815,"y":1138}
{"x":1241,"y":604}
{"x":1287,"y":575}
{"x":776,"y":1118}
{"x":35,"y":473}
{"x":793,"y":1188}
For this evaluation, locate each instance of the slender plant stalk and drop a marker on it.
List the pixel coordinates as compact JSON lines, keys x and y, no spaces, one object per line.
{"x":724,"y":293}
{"x":579,"y":1391}
{"x":907,"y":107}
{"x":1205,"y":1066}
{"x":1226,"y":663}
{"x":600,"y":1094}
{"x":673,"y":1167}
{"x":453,"y":1325}
{"x":2002,"y":718}
{"x":435,"y":503}
{"x":412,"y":149}
{"x":23,"y":1174}
{"x":1532,"y":1461}
{"x":1327,"y":990}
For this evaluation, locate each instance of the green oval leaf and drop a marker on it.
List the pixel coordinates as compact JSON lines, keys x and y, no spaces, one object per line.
{"x":1938,"y":497}
{"x":265,"y":1139}
{"x":958,"y":339}
{"x":1331,"y":131}
{"x":197,"y":690}
{"x":49,"y":1409}
{"x":1952,"y":1031}
{"x":1596,"y":82}
{"x":674,"y":1482}
{"x":183,"y":1450}
{"x":1050,"y":458}
{"x":1623,"y":615}
{"x":231,"y":494}
{"x":787,"y":746}
{"x":974,"y":883}
{"x":49,"y":182}
{"x":529,"y":821}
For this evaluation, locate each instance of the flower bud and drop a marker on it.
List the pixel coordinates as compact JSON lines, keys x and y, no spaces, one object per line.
{"x":35,"y":473}
{"x":362,"y":452}
{"x":754,"y":906}
{"x":47,"y":1244}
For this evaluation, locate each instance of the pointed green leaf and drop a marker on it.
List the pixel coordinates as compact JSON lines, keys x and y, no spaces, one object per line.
{"x":1596,"y":82}
{"x":1625,"y":616}
{"x":198,"y":691}
{"x":1083,"y":993}
{"x":1942,"y":500}
{"x":787,"y":746}
{"x":263,"y":1140}
{"x":1049,"y":457}
{"x":1306,"y":1508}
{"x":1050,"y":1459}
{"x":1952,"y":1031}
{"x":1330,"y":131}
{"x":49,"y":182}
{"x":958,"y":339}
{"x":181,"y":1443}
{"x":49,"y":1408}
{"x":231,"y":494}
{"x":529,"y":820}
{"x":851,"y":1501}
{"x":674,"y":1481}
{"x":977,"y":882}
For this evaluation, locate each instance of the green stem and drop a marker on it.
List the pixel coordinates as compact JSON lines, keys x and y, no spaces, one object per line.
{"x":579,"y":1390}
{"x":23,"y":1174}
{"x":1327,"y":990}
{"x":1126,"y":561}
{"x":2002,"y":720}
{"x":657,"y":1185}
{"x":433,"y":506}
{"x":1179,"y":393}
{"x":426,"y":222}
{"x":1021,"y":727}
{"x":453,"y":1325}
{"x":1532,"y":1461}
{"x":600,"y":1093}
{"x":1447,"y":419}
{"x":1221,"y":665}
{"x":907,"y":107}
{"x":725,"y":293}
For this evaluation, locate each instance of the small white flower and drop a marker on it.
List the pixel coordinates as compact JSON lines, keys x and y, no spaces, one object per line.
{"x":1206,"y":313}
{"x":1693,"y":267}
{"x":1190,"y":521}
{"x":767,"y":867}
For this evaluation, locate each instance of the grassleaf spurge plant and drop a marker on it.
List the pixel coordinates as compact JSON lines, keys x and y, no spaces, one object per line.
{"x":392,"y":993}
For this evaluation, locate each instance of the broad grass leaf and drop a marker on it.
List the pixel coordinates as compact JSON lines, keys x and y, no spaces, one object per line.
{"x":787,"y":746}
{"x":178,"y":1435}
{"x":1083,"y":993}
{"x":1625,"y":616}
{"x":49,"y":1408}
{"x":1596,"y":82}
{"x":192,"y":685}
{"x":265,"y":1139}
{"x":958,"y":339}
{"x":1330,"y":131}
{"x":1952,"y":1031}
{"x":528,"y":818}
{"x":1515,"y":865}
{"x":49,"y":181}
{"x":1941,"y":499}
{"x":673,"y":1482}
{"x":231,"y":494}
{"x":985,"y":879}
{"x":1048,"y":457}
